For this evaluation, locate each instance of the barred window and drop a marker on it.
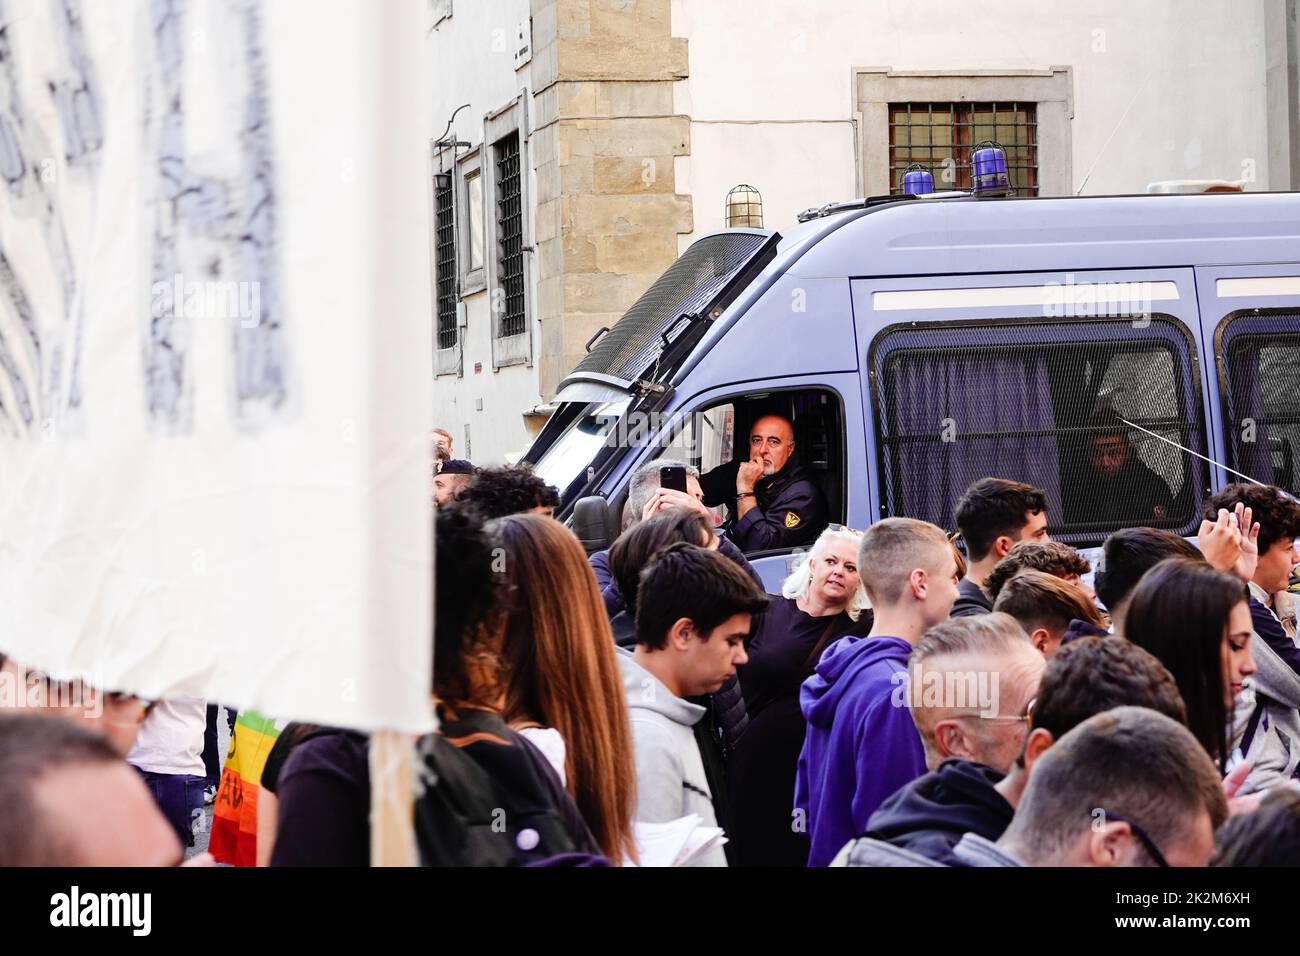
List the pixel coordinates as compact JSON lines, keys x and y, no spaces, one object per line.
{"x":1260,"y":379}
{"x":510,"y":236}
{"x":445,"y":259}
{"x":940,"y":136}
{"x":1094,"y":414}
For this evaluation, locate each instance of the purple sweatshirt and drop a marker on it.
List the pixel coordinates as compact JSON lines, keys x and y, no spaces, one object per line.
{"x":861,"y":744}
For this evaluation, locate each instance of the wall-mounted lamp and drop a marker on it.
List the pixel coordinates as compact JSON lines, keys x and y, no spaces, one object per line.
{"x":744,"y":207}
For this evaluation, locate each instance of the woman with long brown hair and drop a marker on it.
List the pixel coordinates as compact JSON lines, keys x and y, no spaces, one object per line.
{"x":561,"y":684}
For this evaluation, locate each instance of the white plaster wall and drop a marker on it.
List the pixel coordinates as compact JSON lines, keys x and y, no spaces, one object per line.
{"x":1163,"y":89}
{"x":473,"y":56}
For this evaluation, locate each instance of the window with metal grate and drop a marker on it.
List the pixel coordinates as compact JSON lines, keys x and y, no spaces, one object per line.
{"x":1089,"y":413}
{"x":687,"y":285}
{"x":445,"y":259}
{"x":940,"y":136}
{"x":1260,"y":385}
{"x":510,"y":237}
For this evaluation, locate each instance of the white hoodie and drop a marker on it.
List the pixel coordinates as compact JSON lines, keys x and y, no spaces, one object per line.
{"x":670,"y":780}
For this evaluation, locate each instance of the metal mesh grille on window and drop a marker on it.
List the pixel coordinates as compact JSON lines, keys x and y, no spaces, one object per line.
{"x":510,"y":237}
{"x":1262,"y":413}
{"x":940,"y":137}
{"x":688,"y":284}
{"x":445,"y":257}
{"x":1078,"y":410}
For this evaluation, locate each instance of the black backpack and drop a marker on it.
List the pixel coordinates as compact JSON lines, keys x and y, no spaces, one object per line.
{"x":486,"y":797}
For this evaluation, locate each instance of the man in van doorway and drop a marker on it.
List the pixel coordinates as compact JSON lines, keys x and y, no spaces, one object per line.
{"x":774,"y":503}
{"x":1120,"y":488}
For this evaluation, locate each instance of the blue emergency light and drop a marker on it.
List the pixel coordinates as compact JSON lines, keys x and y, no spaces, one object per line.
{"x":918,"y":181}
{"x":988,"y":167}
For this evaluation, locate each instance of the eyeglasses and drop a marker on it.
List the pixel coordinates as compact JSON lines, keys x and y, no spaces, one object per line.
{"x":1027,"y":716}
{"x":1152,"y":850}
{"x":844,"y":527}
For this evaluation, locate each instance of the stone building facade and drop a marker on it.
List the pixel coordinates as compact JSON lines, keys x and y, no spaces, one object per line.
{"x":599,"y":138}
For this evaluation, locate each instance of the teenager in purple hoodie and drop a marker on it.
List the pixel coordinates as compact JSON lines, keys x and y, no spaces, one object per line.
{"x":861,"y":743}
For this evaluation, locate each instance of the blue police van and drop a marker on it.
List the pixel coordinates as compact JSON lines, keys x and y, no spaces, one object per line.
{"x":917,"y":343}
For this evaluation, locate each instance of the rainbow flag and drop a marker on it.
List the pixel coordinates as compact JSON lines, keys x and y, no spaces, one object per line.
{"x":234,"y":814}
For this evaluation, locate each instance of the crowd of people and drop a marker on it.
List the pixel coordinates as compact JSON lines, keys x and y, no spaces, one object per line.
{"x":907,"y":697}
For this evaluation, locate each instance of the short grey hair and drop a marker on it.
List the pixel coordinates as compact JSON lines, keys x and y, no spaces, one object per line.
{"x":645,"y":482}
{"x":993,"y":643}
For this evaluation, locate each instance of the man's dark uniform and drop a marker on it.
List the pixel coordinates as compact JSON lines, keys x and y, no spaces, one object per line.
{"x":1136,"y":495}
{"x":790,"y":509}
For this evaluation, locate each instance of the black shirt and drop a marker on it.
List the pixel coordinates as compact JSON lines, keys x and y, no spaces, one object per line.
{"x":783,"y":651}
{"x":971,"y":600}
{"x":1135,"y":496}
{"x":293,"y":734}
{"x":324,"y":810}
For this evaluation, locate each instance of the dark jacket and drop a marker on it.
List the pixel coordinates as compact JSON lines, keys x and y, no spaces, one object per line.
{"x":1135,"y":496}
{"x":1080,"y":628}
{"x":613,"y":597}
{"x":790,"y":511}
{"x":929,"y":815}
{"x":971,"y":600}
{"x":729,"y":714}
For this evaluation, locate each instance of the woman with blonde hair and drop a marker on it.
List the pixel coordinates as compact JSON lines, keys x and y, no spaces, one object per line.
{"x":821,"y":601}
{"x":561,"y":684}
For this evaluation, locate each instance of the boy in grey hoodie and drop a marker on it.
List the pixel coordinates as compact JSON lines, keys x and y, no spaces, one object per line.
{"x":693,"y":614}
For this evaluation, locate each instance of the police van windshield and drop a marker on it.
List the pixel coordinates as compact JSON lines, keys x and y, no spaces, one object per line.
{"x":577,"y":446}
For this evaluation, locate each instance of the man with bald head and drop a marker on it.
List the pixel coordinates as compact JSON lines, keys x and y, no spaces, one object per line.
{"x":774,"y":503}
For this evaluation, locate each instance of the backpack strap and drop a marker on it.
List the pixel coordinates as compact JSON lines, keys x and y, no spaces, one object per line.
{"x":1249,"y":736}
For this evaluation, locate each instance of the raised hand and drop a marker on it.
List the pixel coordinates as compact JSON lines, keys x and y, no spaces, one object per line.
{"x":748,"y":473}
{"x":1245,"y":565}
{"x":1221,"y":541}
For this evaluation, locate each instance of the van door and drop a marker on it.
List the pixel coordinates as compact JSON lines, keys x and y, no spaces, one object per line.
{"x":1250,"y":326}
{"x":1087,"y":385}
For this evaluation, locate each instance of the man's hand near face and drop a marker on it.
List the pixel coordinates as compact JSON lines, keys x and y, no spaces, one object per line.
{"x":746,"y":476}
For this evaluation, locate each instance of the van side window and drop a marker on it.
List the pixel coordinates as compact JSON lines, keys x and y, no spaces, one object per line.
{"x":1092,"y":413}
{"x":1260,"y":386}
{"x":795,"y":438}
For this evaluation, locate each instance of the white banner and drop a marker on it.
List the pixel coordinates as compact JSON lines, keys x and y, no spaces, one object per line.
{"x":215,"y":347}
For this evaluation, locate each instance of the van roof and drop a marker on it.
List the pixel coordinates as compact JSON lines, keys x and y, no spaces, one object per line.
{"x":963,"y":234}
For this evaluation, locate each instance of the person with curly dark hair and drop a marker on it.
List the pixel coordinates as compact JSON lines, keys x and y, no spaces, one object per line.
{"x":469,"y":609}
{"x":1050,"y":557}
{"x":497,"y":492}
{"x":1278,"y":516}
{"x":453,"y":477}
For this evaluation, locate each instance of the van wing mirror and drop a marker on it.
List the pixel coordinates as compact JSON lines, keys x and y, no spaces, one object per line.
{"x":591,"y":523}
